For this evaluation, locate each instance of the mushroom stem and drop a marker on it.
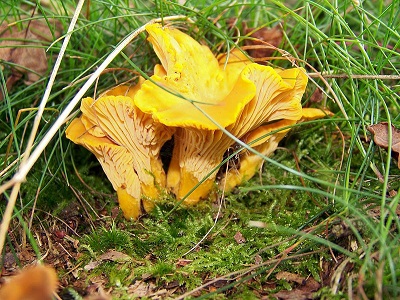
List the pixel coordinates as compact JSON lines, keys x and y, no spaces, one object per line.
{"x":196,"y":154}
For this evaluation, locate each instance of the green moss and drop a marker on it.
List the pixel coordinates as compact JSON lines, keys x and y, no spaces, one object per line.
{"x":104,"y":239}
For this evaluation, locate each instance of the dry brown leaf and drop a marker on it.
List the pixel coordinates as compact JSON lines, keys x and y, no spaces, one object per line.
{"x":116,"y":256}
{"x":317,"y":96}
{"x":292,"y":295}
{"x":239,"y":238}
{"x":34,"y":283}
{"x":24,"y":50}
{"x":303,"y":291}
{"x":96,"y":291}
{"x":111,"y":255}
{"x":270,"y":38}
{"x":258,"y":259}
{"x":183,"y":262}
{"x":381,"y":138}
{"x":290,"y":277}
{"x":141,"y":289}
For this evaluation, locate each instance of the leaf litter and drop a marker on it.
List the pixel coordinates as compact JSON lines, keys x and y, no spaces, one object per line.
{"x":23,"y":50}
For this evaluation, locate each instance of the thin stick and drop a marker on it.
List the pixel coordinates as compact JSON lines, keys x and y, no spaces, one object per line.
{"x":211,"y":229}
{"x":245,"y":271}
{"x":355,"y":76}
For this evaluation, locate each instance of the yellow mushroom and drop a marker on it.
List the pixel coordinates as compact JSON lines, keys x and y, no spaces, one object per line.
{"x":127,"y":143}
{"x":264,"y":140}
{"x":276,"y":106}
{"x":192,"y":90}
{"x":191,"y":96}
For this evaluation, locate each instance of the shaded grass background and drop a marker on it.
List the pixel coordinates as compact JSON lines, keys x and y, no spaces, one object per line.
{"x":319,"y":191}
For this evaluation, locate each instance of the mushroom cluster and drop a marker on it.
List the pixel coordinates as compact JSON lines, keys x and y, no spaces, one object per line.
{"x":191,"y":98}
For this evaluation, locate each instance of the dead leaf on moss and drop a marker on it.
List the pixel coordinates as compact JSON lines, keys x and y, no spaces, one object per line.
{"x":304,"y":289}
{"x":381,"y":138}
{"x":95,"y":291}
{"x":239,"y":238}
{"x":183,"y":262}
{"x":258,"y":259}
{"x":269,"y":38}
{"x":23,"y":50}
{"x":290,"y":277}
{"x":111,"y":255}
{"x":141,"y":289}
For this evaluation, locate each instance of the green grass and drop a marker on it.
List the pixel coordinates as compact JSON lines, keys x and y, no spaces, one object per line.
{"x":325,"y":211}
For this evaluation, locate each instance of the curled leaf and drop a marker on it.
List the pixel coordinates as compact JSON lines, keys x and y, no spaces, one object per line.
{"x":381,"y":138}
{"x":265,"y":39}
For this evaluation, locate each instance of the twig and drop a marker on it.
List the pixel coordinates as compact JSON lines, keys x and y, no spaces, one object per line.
{"x":354,"y":76}
{"x":246,"y":271}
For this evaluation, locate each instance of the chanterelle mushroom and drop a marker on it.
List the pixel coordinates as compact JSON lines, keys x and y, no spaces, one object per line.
{"x":240,"y":97}
{"x":264,"y":140}
{"x":127,"y":143}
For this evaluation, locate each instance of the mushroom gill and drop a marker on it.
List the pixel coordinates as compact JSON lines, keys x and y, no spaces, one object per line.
{"x":127,"y":143}
{"x":264,"y":140}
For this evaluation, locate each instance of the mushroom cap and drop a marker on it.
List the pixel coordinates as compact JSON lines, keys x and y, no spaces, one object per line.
{"x":309,"y":114}
{"x":278,"y":97}
{"x":276,"y":105}
{"x":198,"y":152}
{"x":190,"y":74}
{"x":125,"y":90}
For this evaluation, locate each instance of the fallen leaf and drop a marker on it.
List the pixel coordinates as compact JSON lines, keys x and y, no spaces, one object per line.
{"x":9,"y":260}
{"x":183,"y":262}
{"x":392,"y":193}
{"x":292,"y":295}
{"x":23,"y":50}
{"x":92,"y":265}
{"x":290,"y":277}
{"x":258,"y":224}
{"x":141,"y":289}
{"x":258,"y":259}
{"x":304,"y":289}
{"x":111,"y":255}
{"x":269,"y":38}
{"x":95,"y":291}
{"x":317,"y":96}
{"x":34,"y":283}
{"x":239,"y":238}
{"x":116,"y":256}
{"x":381,"y":138}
